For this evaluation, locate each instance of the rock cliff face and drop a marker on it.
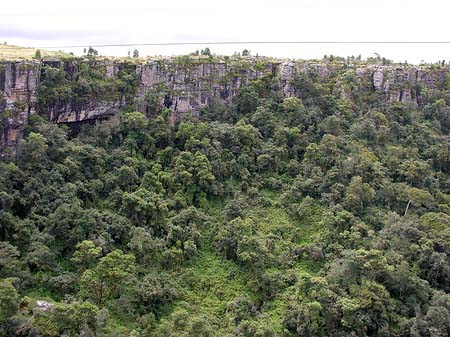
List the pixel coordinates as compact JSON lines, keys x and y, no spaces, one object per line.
{"x":18,"y":88}
{"x":61,"y":90}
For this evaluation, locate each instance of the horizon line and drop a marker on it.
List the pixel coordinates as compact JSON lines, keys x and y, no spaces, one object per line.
{"x":239,"y":43}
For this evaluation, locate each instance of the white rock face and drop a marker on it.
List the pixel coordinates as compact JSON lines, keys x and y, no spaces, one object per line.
{"x":287,"y":70}
{"x":378,"y":77}
{"x":44,"y":305}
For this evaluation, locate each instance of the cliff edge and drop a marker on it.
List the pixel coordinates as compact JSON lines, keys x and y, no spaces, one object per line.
{"x":68,"y":90}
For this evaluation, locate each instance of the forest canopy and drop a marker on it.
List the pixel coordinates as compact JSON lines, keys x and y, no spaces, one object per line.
{"x":265,"y":216}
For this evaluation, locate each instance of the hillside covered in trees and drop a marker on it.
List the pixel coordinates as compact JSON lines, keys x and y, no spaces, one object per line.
{"x":261,"y":216}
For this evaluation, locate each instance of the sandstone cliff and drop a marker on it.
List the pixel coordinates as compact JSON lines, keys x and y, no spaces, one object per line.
{"x":75,"y":90}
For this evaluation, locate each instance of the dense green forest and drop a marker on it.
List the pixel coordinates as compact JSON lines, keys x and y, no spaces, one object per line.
{"x":266,"y":216}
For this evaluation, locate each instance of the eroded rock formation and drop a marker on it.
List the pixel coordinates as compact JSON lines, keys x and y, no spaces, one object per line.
{"x":188,"y":84}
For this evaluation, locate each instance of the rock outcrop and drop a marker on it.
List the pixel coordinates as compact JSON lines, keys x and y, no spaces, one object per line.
{"x":18,"y":96}
{"x":185,"y":84}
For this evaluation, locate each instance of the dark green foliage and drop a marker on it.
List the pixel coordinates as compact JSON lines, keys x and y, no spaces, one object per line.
{"x":205,"y":51}
{"x":247,"y":100}
{"x":108,"y":278}
{"x":9,"y":300}
{"x":86,"y":81}
{"x":92,"y":52}
{"x":73,"y":318}
{"x":37,"y":54}
{"x":266,"y":216}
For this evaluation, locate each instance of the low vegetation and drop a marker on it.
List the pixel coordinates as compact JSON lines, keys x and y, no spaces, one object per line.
{"x":266,"y":216}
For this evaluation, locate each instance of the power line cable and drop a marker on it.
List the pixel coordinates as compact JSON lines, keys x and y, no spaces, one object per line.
{"x":242,"y":43}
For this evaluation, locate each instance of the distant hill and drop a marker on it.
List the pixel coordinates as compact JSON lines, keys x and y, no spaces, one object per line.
{"x":16,"y":52}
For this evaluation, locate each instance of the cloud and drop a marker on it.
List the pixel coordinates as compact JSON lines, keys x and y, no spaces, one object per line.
{"x":87,"y":22}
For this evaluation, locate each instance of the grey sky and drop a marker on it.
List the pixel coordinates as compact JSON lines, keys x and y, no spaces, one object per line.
{"x":86,"y":22}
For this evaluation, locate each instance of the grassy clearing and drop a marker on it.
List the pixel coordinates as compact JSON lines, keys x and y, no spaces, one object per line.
{"x":211,"y":283}
{"x":8,"y":52}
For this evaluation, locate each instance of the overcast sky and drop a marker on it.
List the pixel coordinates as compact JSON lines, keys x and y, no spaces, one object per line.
{"x":89,"y":22}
